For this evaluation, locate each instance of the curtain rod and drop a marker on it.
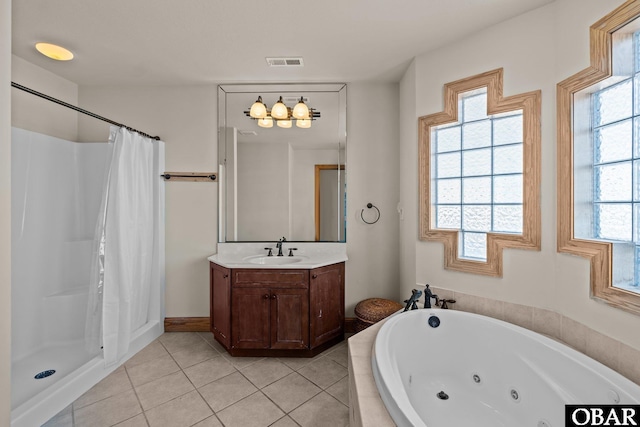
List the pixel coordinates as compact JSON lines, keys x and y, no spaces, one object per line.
{"x":78,"y":109}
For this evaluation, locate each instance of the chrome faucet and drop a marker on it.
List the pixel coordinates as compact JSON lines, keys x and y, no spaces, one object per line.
{"x":279,"y":246}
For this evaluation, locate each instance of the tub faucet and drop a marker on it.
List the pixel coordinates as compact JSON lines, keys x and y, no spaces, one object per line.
{"x":445,"y":301}
{"x":279,"y":246}
{"x":427,"y":297}
{"x":412,"y":303}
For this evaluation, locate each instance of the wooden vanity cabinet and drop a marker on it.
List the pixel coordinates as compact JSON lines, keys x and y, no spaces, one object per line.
{"x":278,"y":312}
{"x":220,"y":302}
{"x":326,"y":297}
{"x":270,"y":309}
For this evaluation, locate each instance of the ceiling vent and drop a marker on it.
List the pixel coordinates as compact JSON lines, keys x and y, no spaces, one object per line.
{"x":285,"y":62}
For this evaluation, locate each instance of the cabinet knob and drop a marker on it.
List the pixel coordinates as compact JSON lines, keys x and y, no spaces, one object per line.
{"x":315,"y":276}
{"x":265,"y":296}
{"x":274,"y":297}
{"x":224,"y":276}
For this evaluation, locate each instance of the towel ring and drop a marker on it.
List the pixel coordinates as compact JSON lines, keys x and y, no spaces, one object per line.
{"x":369,"y":206}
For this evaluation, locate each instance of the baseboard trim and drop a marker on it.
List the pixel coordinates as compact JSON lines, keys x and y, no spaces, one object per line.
{"x":201,"y":324}
{"x":350,"y":325}
{"x":186,"y":324}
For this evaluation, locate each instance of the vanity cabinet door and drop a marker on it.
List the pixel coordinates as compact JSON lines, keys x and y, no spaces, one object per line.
{"x":326,"y":295}
{"x":277,"y":309}
{"x":289,"y":318}
{"x":220,"y":304}
{"x":250,"y":317}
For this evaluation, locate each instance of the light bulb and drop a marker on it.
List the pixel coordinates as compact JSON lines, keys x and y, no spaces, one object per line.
{"x":266,"y":122}
{"x":284,"y":123}
{"x":279,"y":110}
{"x":258,"y":109}
{"x":303,"y":123}
{"x":300,"y":111}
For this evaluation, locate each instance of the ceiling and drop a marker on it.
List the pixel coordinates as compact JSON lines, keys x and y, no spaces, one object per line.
{"x":177,"y":42}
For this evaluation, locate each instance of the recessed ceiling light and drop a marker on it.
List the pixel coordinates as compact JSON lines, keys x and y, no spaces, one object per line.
{"x":53,"y":51}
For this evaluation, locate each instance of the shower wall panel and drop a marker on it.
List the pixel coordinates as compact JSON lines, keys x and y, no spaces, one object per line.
{"x":56,"y":190}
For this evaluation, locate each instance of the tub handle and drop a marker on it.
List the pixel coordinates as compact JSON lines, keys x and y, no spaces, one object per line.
{"x":443,"y":303}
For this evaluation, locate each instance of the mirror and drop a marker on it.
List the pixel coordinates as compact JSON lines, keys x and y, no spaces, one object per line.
{"x":276,"y":182}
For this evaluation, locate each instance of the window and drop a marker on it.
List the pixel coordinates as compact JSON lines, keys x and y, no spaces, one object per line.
{"x":599,"y":160}
{"x":475,"y":195}
{"x":477,"y":174}
{"x":616,"y":154}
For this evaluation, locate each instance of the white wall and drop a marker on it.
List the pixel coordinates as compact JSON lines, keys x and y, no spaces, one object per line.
{"x":372,"y":176}
{"x":303,"y":190}
{"x":5,"y":212}
{"x":536,"y":50}
{"x":263,"y":191}
{"x":185,"y":118}
{"x":408,"y":179}
{"x":39,"y":115}
{"x":276,"y":191}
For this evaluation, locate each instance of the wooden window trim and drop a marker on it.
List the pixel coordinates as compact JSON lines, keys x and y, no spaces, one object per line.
{"x":599,"y":253}
{"x":530,"y":104}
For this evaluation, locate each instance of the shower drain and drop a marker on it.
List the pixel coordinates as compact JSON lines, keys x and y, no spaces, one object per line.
{"x":45,"y":374}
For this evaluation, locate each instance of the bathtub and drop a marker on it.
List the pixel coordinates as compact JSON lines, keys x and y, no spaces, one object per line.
{"x":472,"y":370}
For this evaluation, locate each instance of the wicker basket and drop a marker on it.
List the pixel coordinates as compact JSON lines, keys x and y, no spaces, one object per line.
{"x":373,"y":310}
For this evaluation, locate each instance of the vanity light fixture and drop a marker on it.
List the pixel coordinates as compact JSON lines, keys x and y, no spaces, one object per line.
{"x":300,"y":111}
{"x":279,"y":111}
{"x":258,"y":109}
{"x":282,"y":115}
{"x":54,"y":51}
{"x":303,"y":123}
{"x":284,"y":123}
{"x":266,"y":122}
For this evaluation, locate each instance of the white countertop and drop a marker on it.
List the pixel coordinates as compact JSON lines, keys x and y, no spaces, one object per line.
{"x":307,"y":256}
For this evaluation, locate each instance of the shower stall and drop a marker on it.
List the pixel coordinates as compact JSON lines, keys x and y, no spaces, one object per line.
{"x":57,"y":191}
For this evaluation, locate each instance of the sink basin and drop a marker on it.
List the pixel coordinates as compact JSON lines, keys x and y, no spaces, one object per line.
{"x":274,"y":260}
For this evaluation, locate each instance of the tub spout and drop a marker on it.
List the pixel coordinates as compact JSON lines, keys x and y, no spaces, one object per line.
{"x":412,"y":303}
{"x":427,"y":297}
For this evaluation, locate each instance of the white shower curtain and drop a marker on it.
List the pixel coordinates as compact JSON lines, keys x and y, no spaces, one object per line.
{"x":122,"y":266}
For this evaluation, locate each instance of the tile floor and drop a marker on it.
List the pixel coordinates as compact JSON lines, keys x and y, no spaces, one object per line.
{"x":188,"y":379}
